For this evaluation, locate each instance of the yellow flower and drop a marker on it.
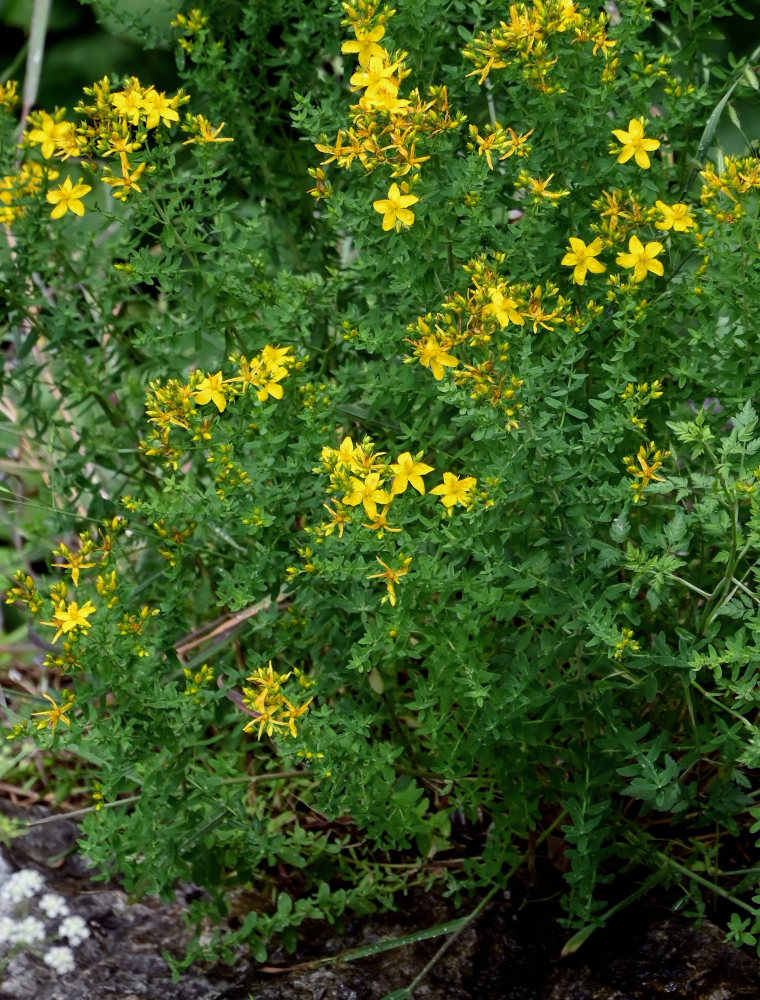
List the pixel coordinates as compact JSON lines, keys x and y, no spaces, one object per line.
{"x":503,"y":308}
{"x":271,"y":388}
{"x":676,"y":217}
{"x":365,"y":46}
{"x":641,"y":258}
{"x":275,"y":358}
{"x":378,"y":72}
{"x":128,"y":104}
{"x":395,"y":208}
{"x":338,"y":518}
{"x":202,"y":132}
{"x":56,"y":714}
{"x":583,"y":258}
{"x":346,"y":451}
{"x":408,"y":472}
{"x":368,"y":493}
{"x":384,"y":97}
{"x":650,"y":458}
{"x":66,"y":198}
{"x":127,"y":182}
{"x":634,"y":143}
{"x":540,"y":189}
{"x":454,"y":490}
{"x":391,"y":577}
{"x":289,"y":716}
{"x":380,"y":524}
{"x":211,"y":390}
{"x":66,"y":618}
{"x":73,"y":561}
{"x":159,"y":108}
{"x":264,"y":720}
{"x":434,"y":357}
{"x":49,"y":135}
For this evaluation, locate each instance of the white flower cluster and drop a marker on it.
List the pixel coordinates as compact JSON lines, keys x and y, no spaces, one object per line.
{"x":23,"y":884}
{"x":19,"y":928}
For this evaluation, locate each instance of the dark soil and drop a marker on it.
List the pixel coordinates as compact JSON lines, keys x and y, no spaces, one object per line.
{"x":510,"y":952}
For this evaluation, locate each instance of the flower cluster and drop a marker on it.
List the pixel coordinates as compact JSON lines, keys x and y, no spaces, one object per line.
{"x":723,"y":188}
{"x":641,"y":258}
{"x":472,"y":324}
{"x":124,"y":123}
{"x":196,"y":680}
{"x":503,"y":142}
{"x":626,"y":644}
{"x":128,"y":124}
{"x":20,"y":928}
{"x":70,"y":615}
{"x":266,"y":699}
{"x":622,"y":216}
{"x":193,"y":29}
{"x":21,"y":188}
{"x":172,"y":537}
{"x":636,"y":397}
{"x":620,"y":213}
{"x":362,"y":478}
{"x":385,"y":128}
{"x":174,"y":403}
{"x":9,"y":95}
{"x":527,"y":42}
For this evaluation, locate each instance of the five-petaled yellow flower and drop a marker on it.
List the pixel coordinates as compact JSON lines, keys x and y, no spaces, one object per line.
{"x":503,"y":308}
{"x":641,"y":258}
{"x":67,"y":198}
{"x":676,"y":217}
{"x":454,"y":490}
{"x":395,"y":208}
{"x":583,"y":258}
{"x":49,"y":135}
{"x":159,"y":108}
{"x":365,"y":46}
{"x":211,"y":390}
{"x":56,"y":714}
{"x":376,"y":74}
{"x":408,"y":471}
{"x":68,"y":617}
{"x":635,"y":144}
{"x":367,"y":492}
{"x":435,"y":357}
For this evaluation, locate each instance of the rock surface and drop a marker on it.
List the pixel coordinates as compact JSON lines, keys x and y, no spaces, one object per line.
{"x":509,"y":953}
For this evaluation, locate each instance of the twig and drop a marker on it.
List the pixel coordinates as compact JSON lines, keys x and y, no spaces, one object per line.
{"x":225,"y":623}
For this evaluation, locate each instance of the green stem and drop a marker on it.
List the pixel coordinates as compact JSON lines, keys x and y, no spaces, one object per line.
{"x":706,"y":883}
{"x":690,"y":586}
{"x":717,"y":701}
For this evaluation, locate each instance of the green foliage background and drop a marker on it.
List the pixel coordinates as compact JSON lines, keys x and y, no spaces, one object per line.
{"x":495,"y":695}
